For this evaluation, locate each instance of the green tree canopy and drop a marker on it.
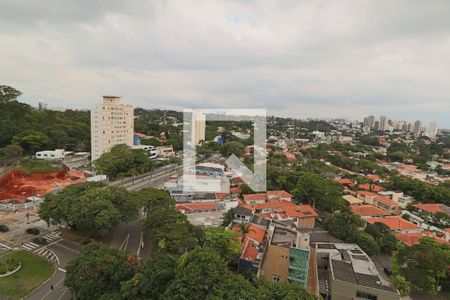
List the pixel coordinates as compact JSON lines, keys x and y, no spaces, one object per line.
{"x":98,"y":270}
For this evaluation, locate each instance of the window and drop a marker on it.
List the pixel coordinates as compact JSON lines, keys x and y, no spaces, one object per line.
{"x":364,"y":295}
{"x":276,"y":278}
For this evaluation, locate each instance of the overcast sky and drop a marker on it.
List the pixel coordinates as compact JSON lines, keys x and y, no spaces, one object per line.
{"x":295,"y":58}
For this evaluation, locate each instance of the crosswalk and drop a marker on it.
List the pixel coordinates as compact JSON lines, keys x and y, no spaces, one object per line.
{"x":30,"y":246}
{"x":48,"y":254}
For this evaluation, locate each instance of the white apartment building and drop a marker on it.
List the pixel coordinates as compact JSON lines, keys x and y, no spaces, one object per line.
{"x":112,"y":123}
{"x":198,"y":127}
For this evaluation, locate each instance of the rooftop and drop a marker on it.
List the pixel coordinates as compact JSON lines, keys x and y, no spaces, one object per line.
{"x":395,"y":223}
{"x":368,"y":210}
{"x":433,"y":208}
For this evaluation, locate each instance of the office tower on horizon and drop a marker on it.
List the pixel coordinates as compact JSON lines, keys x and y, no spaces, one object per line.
{"x":432,"y":129}
{"x":417,"y":127}
{"x":383,"y":123}
{"x":112,"y":123}
{"x":198,"y":127}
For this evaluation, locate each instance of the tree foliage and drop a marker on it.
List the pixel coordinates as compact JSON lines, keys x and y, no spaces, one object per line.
{"x":89,"y":207}
{"x":122,"y":161}
{"x":98,"y":270}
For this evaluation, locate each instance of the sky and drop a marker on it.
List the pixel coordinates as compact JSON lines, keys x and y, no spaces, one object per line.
{"x":316,"y":59}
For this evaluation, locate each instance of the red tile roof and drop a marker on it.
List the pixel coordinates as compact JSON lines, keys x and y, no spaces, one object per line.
{"x":249,"y":252}
{"x":410,"y":239}
{"x":279,"y":193}
{"x":433,"y":208}
{"x":373,"y":177}
{"x":235,"y":190}
{"x":253,"y":197}
{"x":395,"y":223}
{"x":368,"y":210}
{"x":193,"y":207}
{"x":344,"y":181}
{"x":255,"y":233}
{"x":366,"y":193}
{"x":371,"y":187}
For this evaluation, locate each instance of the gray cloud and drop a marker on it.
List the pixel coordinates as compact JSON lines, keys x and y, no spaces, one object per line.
{"x":297,"y":58}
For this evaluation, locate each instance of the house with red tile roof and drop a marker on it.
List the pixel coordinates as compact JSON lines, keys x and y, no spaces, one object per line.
{"x":413,"y":238}
{"x":187,"y":208}
{"x":279,"y":195}
{"x":371,"y":187}
{"x":397,"y":224}
{"x":432,"y":208}
{"x":345,"y":181}
{"x":255,"y":198}
{"x":387,"y":204}
{"x":366,"y":211}
{"x":366,"y":196}
{"x":303,"y":215}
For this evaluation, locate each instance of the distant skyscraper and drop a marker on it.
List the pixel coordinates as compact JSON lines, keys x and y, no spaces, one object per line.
{"x":376,"y":125}
{"x":198,"y":127}
{"x":112,"y":123}
{"x":384,"y":123}
{"x":369,"y":121}
{"x":432,"y":129}
{"x":417,"y":128}
{"x":42,"y":106}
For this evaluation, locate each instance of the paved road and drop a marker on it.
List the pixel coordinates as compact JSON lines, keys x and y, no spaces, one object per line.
{"x":65,"y":251}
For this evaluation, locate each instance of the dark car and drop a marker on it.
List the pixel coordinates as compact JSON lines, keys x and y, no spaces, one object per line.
{"x":388,"y":271}
{"x":40,"y":240}
{"x":4,"y":228}
{"x":33,"y":230}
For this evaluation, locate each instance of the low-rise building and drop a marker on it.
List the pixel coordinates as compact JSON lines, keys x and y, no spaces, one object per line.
{"x":345,"y":272}
{"x":56,"y":154}
{"x":397,"y":224}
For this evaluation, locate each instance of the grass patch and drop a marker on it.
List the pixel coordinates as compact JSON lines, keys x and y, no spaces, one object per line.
{"x":35,"y":270}
{"x":29,"y":166}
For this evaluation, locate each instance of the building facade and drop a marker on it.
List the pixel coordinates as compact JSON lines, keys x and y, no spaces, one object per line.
{"x":112,"y":123}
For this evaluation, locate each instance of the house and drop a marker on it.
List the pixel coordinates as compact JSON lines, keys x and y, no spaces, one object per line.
{"x":345,"y":271}
{"x":397,"y":224}
{"x":279,"y":195}
{"x":255,"y":198}
{"x":186,"y":208}
{"x":366,"y":211}
{"x":352,"y":200}
{"x":432,"y":208}
{"x":366,"y":196}
{"x":387,"y":204}
{"x":371,"y":187}
{"x":413,"y":238}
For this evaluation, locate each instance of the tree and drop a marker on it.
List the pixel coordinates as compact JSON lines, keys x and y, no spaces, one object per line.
{"x":282,"y":290}
{"x":401,"y":284}
{"x":244,"y":229}
{"x":123,"y":161}
{"x":152,"y":279}
{"x":228,"y":217}
{"x":31,"y":140}
{"x":198,"y":272}
{"x":344,"y":225}
{"x":152,"y":198}
{"x":89,"y":207}
{"x":8,"y":94}
{"x":11,"y":151}
{"x":98,"y":270}
{"x":381,"y":233}
{"x":223,"y":241}
{"x":232,"y":147}
{"x":367,"y":243}
{"x":424,"y":264}
{"x":246,"y":189}
{"x":315,"y":190}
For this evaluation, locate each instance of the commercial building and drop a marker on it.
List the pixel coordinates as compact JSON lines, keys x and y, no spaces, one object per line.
{"x":112,"y":123}
{"x":52,"y":154}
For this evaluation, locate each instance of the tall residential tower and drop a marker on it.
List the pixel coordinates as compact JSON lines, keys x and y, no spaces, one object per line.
{"x":112,"y":123}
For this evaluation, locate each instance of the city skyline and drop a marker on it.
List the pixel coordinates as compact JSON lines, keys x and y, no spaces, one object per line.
{"x":297,"y":59}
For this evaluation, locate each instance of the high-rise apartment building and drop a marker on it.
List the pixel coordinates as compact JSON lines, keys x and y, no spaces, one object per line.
{"x":369,"y":121}
{"x":112,"y":123}
{"x":198,"y":127}
{"x":384,"y":123}
{"x":432,"y":129}
{"x":417,"y":128}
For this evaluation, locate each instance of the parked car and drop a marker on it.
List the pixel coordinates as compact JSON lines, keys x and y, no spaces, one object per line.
{"x":388,"y":271}
{"x":4,"y":228}
{"x":33,"y":230}
{"x":40,"y":240}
